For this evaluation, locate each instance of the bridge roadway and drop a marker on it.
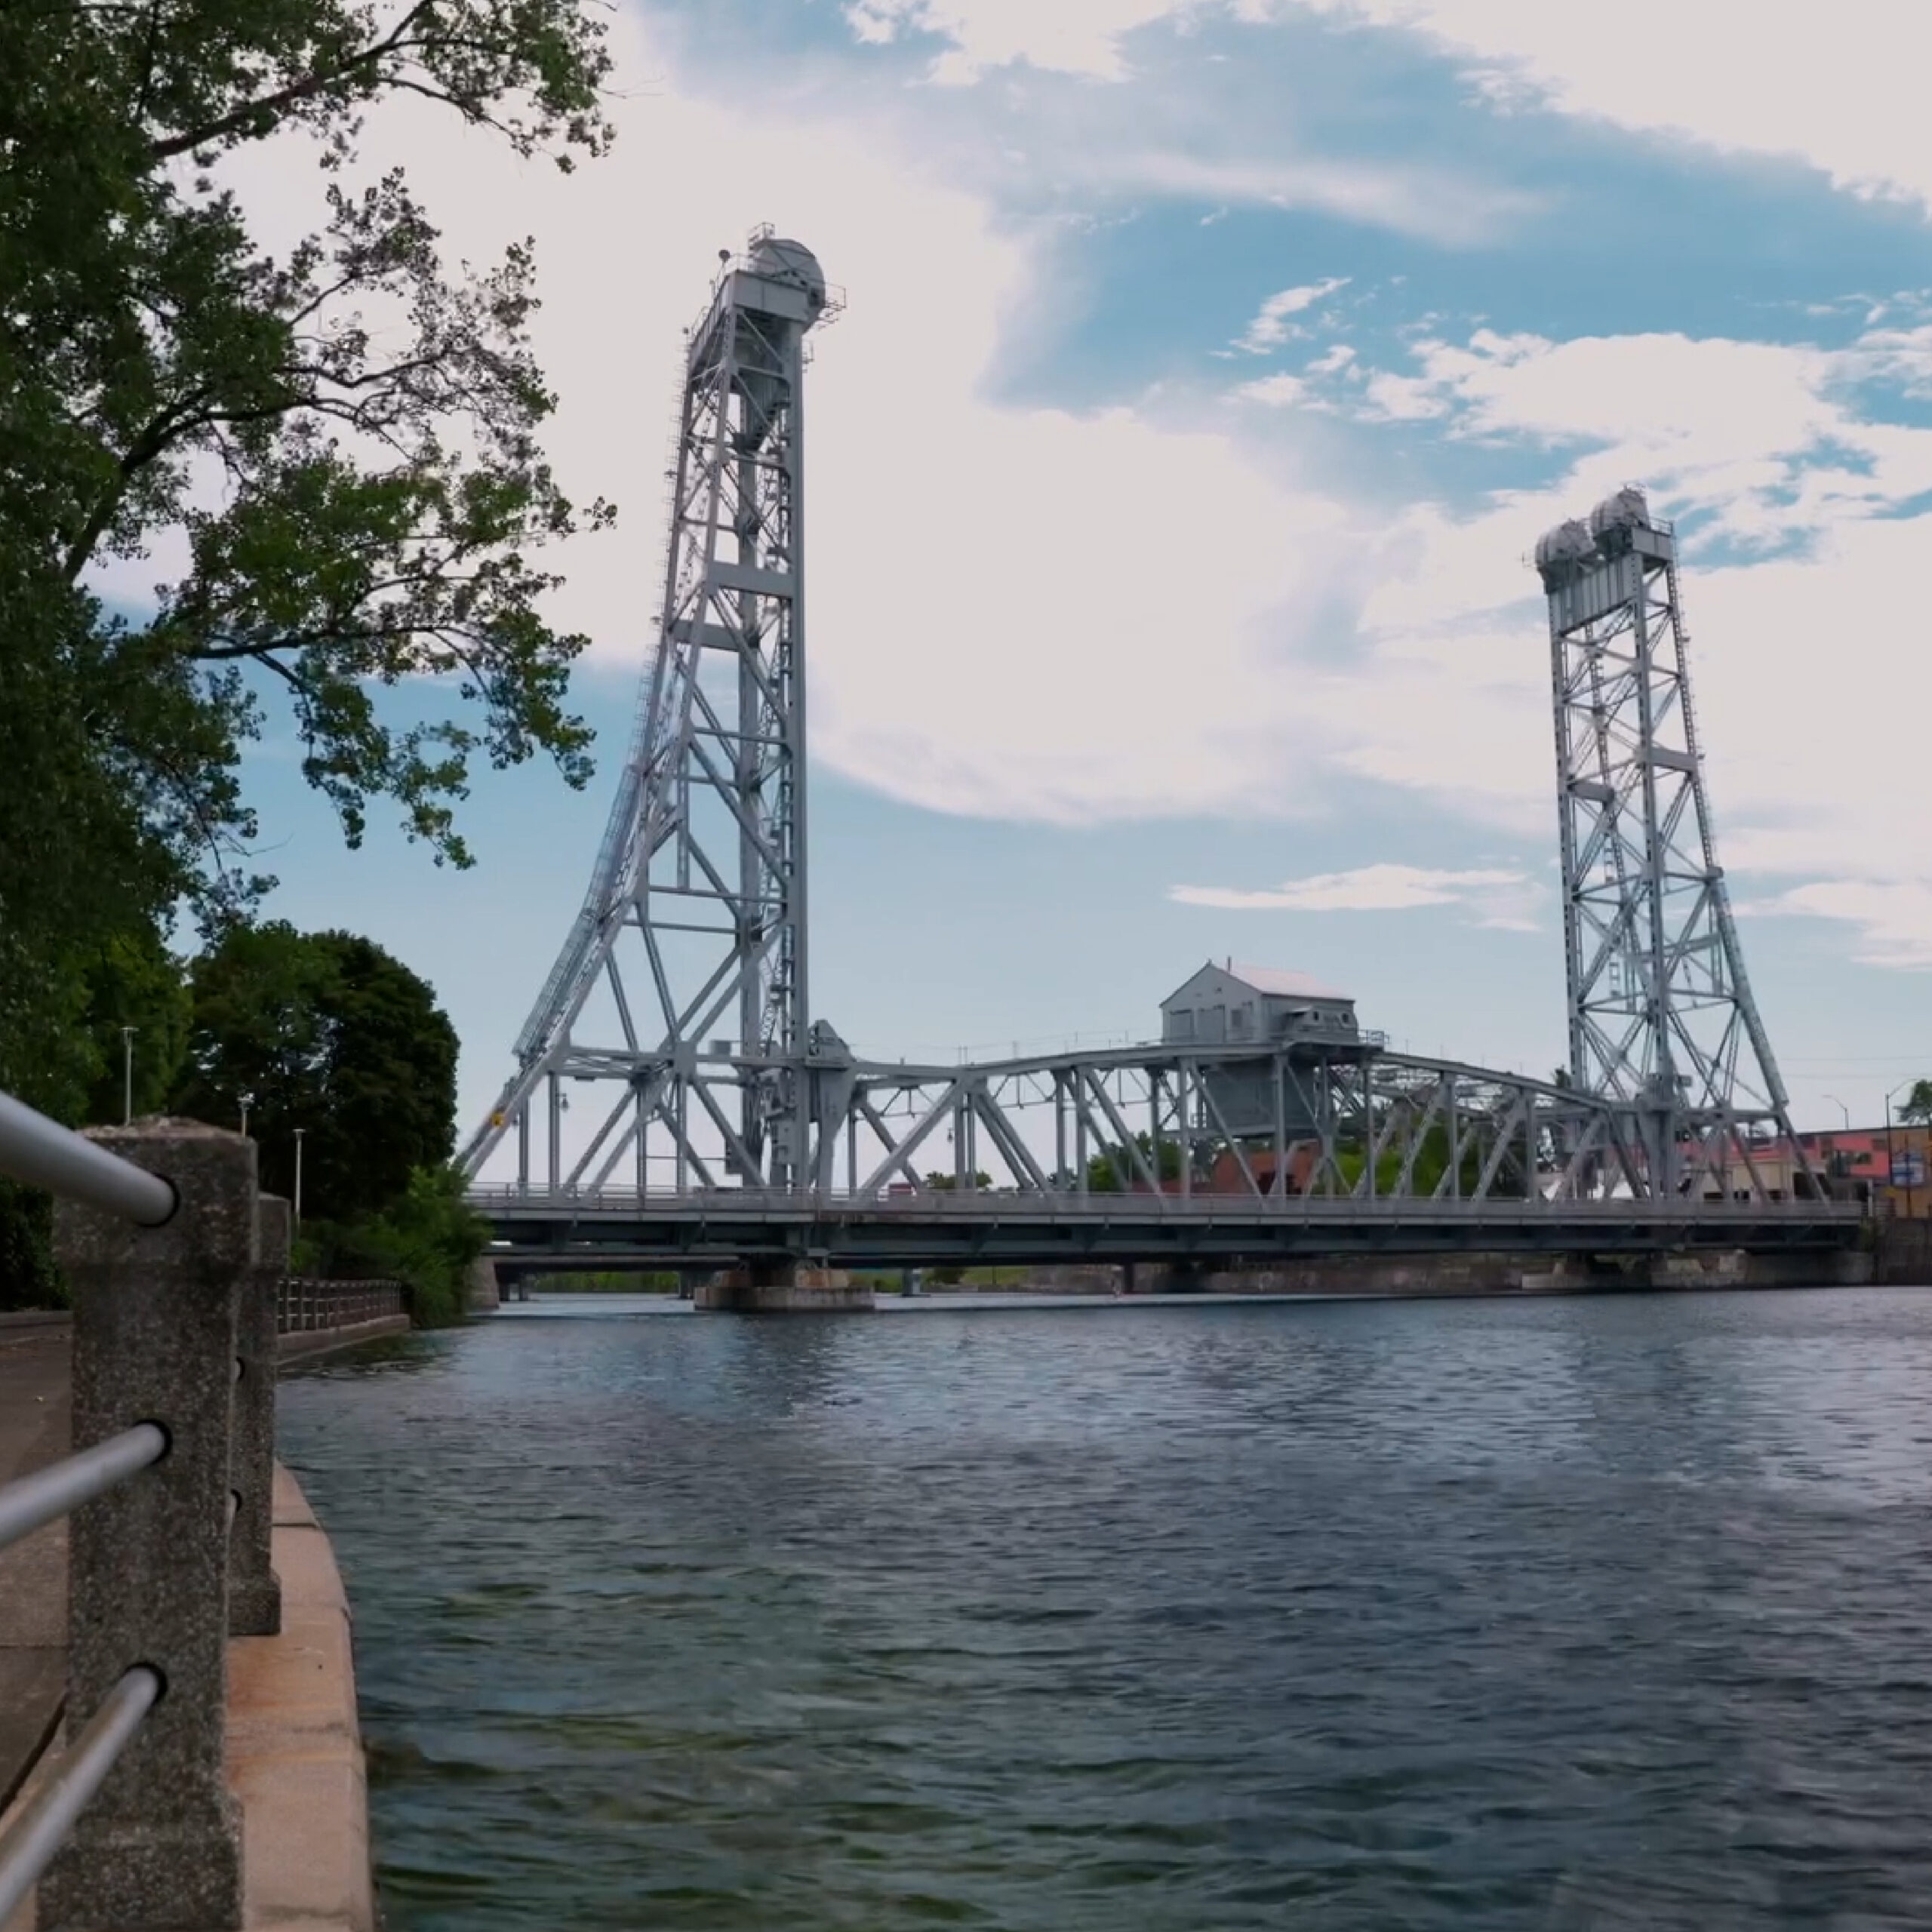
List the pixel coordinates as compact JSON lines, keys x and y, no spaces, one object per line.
{"x":610,"y":1228}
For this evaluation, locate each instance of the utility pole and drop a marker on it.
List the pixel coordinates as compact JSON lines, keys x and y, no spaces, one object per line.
{"x":1891,"y":1159}
{"x":126,"y":1076}
{"x":299,"y":1133}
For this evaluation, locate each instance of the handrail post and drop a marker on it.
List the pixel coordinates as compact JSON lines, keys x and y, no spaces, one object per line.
{"x":255,"y":1591}
{"x":154,"y":1341}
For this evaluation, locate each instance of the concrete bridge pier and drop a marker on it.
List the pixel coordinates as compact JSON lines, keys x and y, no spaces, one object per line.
{"x":783,"y":1288}
{"x":1173,"y":1277}
{"x":485,"y":1292}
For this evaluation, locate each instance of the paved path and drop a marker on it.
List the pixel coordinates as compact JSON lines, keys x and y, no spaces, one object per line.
{"x":34,"y":1427}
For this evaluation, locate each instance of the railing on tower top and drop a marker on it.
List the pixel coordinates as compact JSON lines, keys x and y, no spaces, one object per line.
{"x":173,"y":1258}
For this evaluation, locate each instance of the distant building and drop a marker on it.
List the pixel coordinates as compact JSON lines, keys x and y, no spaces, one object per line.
{"x":1225,"y":1005}
{"x":1888,"y":1166}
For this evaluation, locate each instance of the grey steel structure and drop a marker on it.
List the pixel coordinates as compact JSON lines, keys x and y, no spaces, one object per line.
{"x":684,"y":983}
{"x":726,"y":1120}
{"x":1661,"y":1017}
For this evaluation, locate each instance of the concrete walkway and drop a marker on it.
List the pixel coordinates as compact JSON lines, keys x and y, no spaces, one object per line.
{"x":34,"y":1429}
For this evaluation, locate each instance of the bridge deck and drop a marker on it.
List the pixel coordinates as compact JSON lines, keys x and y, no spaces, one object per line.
{"x":938,"y":1228}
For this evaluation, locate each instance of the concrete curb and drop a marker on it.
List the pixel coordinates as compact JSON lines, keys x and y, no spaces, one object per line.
{"x":304,"y":1344}
{"x":295,"y":1745}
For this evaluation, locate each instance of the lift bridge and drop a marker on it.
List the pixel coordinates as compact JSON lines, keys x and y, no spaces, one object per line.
{"x":717,"y":1122}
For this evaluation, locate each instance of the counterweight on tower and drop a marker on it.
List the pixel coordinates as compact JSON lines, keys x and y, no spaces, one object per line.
{"x":1661,"y":1017}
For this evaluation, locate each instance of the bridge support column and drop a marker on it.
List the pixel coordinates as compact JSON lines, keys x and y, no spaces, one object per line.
{"x":1171,"y":1278}
{"x":483,"y":1292}
{"x":787,"y":1288}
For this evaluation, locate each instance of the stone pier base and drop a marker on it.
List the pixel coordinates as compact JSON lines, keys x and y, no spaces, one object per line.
{"x":483,"y":1292}
{"x":784,"y":1290}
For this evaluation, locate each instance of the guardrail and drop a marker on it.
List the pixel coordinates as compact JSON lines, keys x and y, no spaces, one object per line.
{"x":173,"y":1258}
{"x":305,"y":1305}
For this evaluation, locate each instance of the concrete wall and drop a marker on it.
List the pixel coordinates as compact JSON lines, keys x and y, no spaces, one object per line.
{"x":1903,"y":1258}
{"x":1490,"y":1274}
{"x":300,"y":1344}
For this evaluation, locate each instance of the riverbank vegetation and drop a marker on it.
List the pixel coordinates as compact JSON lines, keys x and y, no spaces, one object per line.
{"x":320,"y":1039}
{"x":338,"y":434}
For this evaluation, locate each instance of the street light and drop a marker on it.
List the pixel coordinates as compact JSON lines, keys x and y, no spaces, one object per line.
{"x":126,"y":1076}
{"x":1842,"y":1108}
{"x":298,"y":1132}
{"x":248,"y":1101}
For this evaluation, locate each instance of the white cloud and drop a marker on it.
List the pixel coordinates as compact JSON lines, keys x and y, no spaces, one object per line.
{"x":1271,"y":327}
{"x":998,"y":623}
{"x":1445,"y":207}
{"x":1498,"y":898}
{"x":1893,"y":916}
{"x":1033,"y":613}
{"x":1811,"y":680}
{"x":1074,"y":36}
{"x":1277,"y":392}
{"x":1843,"y":92}
{"x":1845,"y":96}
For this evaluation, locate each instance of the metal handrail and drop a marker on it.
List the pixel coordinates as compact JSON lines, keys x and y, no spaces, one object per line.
{"x":29,"y":1503}
{"x":28,"y":1845}
{"x":45,"y":1154}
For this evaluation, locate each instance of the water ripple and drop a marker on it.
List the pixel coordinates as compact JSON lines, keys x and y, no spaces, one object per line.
{"x":1602,"y":1614}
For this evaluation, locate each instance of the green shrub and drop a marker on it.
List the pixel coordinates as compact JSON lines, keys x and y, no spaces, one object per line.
{"x":429,"y":1240}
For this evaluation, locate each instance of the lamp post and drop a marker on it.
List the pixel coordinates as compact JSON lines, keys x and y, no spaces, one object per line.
{"x":298,"y":1132}
{"x":126,"y":1076}
{"x":1842,"y":1108}
{"x":248,"y":1101}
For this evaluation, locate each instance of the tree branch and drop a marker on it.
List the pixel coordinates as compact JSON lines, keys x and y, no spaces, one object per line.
{"x":238,"y":119}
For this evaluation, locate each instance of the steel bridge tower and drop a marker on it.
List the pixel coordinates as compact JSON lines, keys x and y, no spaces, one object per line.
{"x":1661,"y":1018}
{"x":683,"y":984}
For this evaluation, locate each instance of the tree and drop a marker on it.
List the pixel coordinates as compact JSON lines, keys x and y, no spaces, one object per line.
{"x":328,"y":1032}
{"x":1115,"y":1171}
{"x":373,"y":419}
{"x":343,"y":435}
{"x":1917,"y":1106}
{"x":135,"y":981}
{"x":427,"y":1239}
{"x":129,"y":978}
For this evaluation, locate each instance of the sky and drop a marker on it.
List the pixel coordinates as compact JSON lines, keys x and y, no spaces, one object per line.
{"x":1208,"y":370}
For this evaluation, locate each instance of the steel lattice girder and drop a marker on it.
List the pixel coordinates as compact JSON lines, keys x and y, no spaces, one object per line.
{"x":1374,"y":1128}
{"x":1367,"y":1123}
{"x":695,"y":920}
{"x":1661,"y":1016}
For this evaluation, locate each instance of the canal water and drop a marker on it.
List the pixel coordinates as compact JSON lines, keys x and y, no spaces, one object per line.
{"x":1613,"y":1612}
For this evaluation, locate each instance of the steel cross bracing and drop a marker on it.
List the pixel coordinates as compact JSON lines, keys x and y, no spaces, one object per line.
{"x":1316,"y":1117}
{"x":1661,"y":1017}
{"x":678,"y":1007}
{"x":683,"y":985}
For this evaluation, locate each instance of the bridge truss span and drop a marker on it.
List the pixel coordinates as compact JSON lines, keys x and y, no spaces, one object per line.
{"x":678,"y":1014}
{"x":1336,"y":1119}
